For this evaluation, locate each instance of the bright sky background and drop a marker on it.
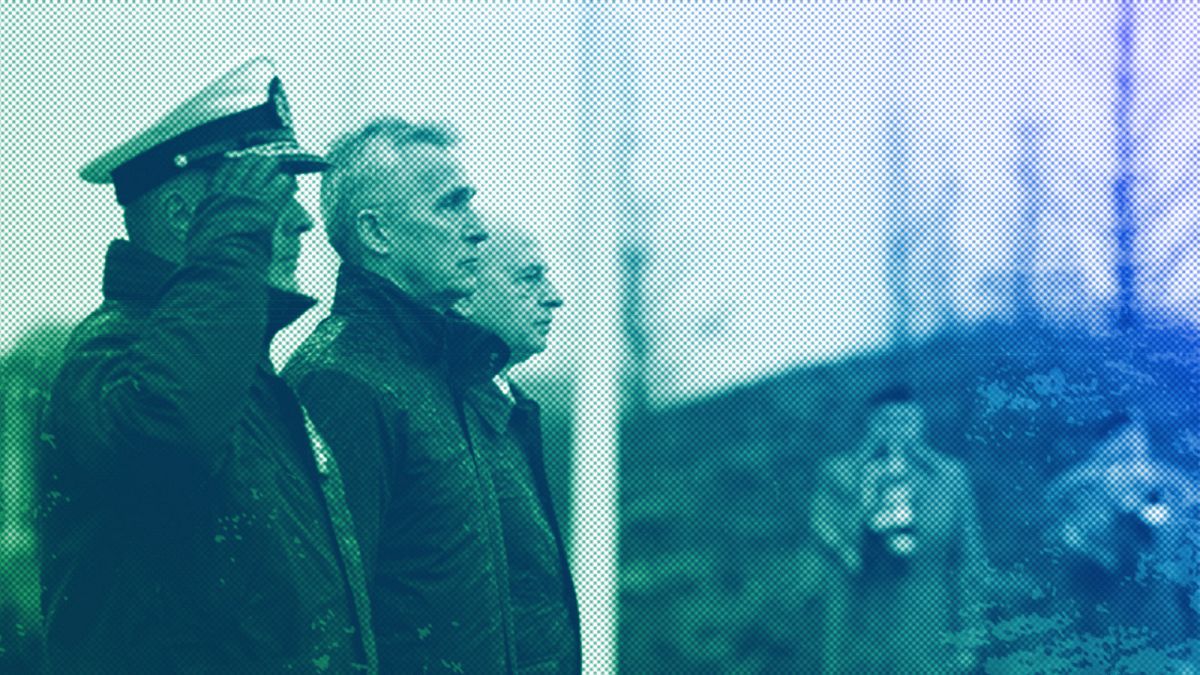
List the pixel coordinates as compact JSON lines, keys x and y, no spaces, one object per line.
{"x":759,"y":157}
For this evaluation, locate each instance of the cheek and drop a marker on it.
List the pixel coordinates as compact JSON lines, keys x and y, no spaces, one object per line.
{"x":285,"y":244}
{"x":443,"y":245}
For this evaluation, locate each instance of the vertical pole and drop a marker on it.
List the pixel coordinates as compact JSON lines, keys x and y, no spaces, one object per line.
{"x":900,"y":237}
{"x":1123,"y":183}
{"x":604,"y":126}
{"x":1033,"y":204}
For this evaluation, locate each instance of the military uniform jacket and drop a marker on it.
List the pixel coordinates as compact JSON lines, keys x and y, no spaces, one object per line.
{"x":184,"y":527}
{"x":383,"y":378}
{"x":545,"y":608}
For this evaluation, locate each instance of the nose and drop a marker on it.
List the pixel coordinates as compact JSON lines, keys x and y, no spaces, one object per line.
{"x":474,"y":232}
{"x":295,"y":218}
{"x":551,"y":297}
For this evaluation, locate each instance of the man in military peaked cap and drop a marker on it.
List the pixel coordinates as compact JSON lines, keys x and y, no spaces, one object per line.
{"x":189,"y":523}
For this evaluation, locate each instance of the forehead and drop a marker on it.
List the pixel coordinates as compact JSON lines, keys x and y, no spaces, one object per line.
{"x":430,"y":168}
{"x":1124,"y":440}
{"x":512,"y":251}
{"x":897,"y":412}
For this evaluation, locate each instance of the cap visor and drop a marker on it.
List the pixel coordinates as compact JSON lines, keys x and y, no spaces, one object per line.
{"x":291,"y":159}
{"x":303,"y":163}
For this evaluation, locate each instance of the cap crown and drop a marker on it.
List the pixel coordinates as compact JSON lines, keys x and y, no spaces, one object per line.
{"x":243,"y":112}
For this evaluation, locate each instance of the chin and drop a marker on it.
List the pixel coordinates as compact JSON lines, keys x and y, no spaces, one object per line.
{"x":288,"y":285}
{"x":534,"y":348}
{"x":284,"y":281}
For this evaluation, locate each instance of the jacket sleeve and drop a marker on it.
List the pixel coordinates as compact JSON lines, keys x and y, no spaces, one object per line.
{"x":832,"y":510}
{"x":366,"y":434}
{"x":166,"y":397}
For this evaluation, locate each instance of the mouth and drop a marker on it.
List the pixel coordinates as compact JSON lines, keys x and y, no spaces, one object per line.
{"x":469,"y":264}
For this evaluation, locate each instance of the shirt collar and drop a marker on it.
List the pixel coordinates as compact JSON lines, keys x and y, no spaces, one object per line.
{"x":505,"y":388}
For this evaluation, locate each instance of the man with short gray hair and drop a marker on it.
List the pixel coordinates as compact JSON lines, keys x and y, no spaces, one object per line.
{"x":364,"y":175}
{"x":384,"y":377}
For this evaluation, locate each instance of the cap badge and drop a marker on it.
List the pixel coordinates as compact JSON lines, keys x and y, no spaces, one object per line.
{"x":282,"y":109}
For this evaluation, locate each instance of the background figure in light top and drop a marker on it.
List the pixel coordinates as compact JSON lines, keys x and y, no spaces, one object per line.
{"x":898,"y":521}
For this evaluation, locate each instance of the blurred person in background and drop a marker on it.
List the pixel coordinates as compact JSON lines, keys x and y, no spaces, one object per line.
{"x":1121,"y":524}
{"x":185,"y":523}
{"x":515,"y":299}
{"x":898,"y":521}
{"x":384,"y":377}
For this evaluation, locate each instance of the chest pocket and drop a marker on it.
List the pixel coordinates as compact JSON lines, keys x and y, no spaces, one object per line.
{"x":438,"y":472}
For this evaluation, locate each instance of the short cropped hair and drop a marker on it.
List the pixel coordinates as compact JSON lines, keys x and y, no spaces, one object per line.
{"x":364,"y":159}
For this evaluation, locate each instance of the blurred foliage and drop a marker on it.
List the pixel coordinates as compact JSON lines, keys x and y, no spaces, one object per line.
{"x":719,"y":572}
{"x":26,"y":372}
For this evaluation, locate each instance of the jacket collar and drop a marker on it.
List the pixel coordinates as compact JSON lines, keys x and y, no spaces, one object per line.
{"x":468,"y":353}
{"x":494,"y":408}
{"x":499,"y":413}
{"x":136,"y":276}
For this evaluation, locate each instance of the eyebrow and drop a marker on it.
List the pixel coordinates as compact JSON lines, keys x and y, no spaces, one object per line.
{"x":457,"y":196}
{"x":535,"y":267}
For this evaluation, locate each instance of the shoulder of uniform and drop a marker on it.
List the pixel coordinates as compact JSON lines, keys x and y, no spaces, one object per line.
{"x":113,"y":321}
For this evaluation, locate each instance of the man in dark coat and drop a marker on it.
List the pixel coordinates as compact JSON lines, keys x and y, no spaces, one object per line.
{"x":515,"y":300}
{"x":898,"y":521}
{"x":384,"y":377}
{"x":186,"y":524}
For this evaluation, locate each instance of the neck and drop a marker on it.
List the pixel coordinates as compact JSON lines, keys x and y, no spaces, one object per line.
{"x":515,"y":359}
{"x":440,"y":302}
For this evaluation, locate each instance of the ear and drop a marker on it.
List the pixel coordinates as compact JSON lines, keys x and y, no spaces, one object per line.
{"x":372,"y":233}
{"x":178,"y":212}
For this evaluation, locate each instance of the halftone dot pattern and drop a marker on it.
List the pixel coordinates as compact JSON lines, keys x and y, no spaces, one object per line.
{"x":759,"y":215}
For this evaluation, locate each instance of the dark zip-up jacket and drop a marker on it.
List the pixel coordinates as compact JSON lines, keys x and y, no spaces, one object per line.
{"x":545,"y":609}
{"x":185,"y":530}
{"x":383,"y":378}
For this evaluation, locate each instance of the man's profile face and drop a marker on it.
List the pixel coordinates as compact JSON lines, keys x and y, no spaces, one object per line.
{"x":514,"y":298}
{"x":294,"y":220}
{"x":435,"y":228}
